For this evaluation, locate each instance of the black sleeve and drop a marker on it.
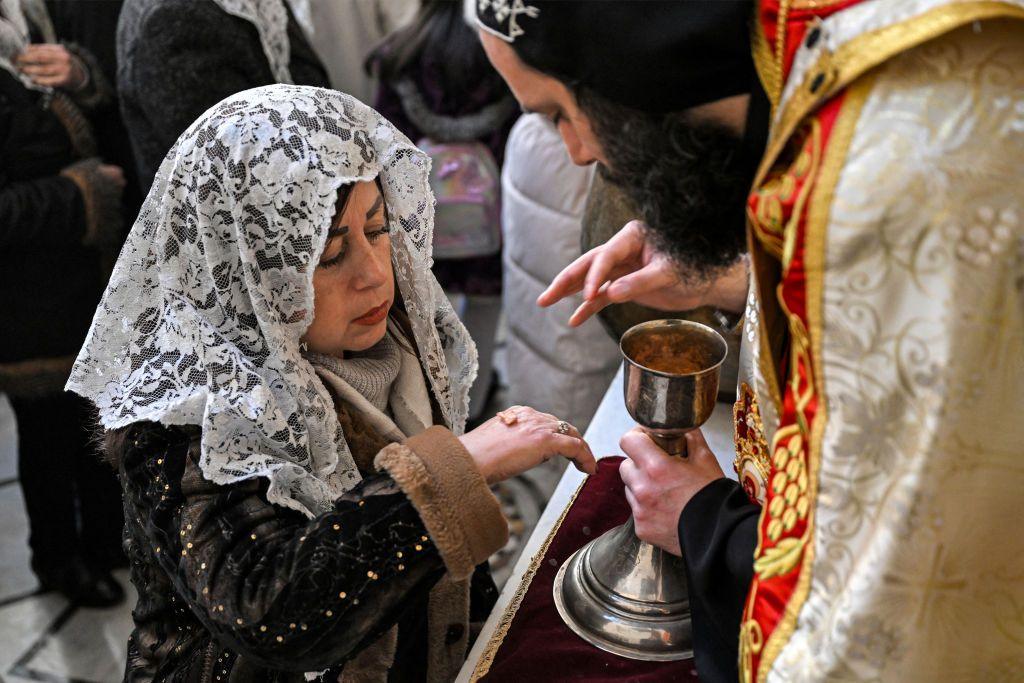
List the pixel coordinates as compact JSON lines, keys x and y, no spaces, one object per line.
{"x":42,"y":212}
{"x":285,"y":591}
{"x":718,"y":535}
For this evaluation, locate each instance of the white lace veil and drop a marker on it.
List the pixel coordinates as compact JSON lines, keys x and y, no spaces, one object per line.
{"x":201,"y":321}
{"x":270,"y":17}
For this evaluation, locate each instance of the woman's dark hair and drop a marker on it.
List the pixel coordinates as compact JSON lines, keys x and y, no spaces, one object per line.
{"x":438,"y":36}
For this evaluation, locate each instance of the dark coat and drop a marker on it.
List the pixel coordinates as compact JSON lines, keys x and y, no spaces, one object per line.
{"x":718,"y":534}
{"x":234,"y":588}
{"x":178,"y":58}
{"x":58,"y":219}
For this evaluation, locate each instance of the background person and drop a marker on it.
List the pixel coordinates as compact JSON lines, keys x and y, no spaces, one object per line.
{"x":551,"y":366}
{"x":60,"y":225}
{"x":438,"y":88}
{"x":178,"y":58}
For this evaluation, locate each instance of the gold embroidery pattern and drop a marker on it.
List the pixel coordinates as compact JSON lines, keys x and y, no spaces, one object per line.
{"x":787,"y":521}
{"x":915,"y":570}
{"x":752,"y":463}
{"x":772,"y":198}
{"x":856,"y":57}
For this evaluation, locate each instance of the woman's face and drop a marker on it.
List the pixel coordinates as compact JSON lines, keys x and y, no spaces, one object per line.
{"x":353,"y":285}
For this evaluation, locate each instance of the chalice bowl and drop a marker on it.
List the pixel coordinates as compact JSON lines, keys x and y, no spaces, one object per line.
{"x":619,"y":593}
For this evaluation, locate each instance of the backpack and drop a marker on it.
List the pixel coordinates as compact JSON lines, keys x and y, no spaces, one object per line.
{"x":466,"y":183}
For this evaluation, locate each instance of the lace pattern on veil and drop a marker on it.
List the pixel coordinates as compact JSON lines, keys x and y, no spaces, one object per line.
{"x":202,"y":319}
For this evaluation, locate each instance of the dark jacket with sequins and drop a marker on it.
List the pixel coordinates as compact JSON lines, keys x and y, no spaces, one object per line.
{"x":232,"y":588}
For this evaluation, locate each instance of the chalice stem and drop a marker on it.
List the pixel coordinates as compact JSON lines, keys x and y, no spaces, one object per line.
{"x":672,"y":443}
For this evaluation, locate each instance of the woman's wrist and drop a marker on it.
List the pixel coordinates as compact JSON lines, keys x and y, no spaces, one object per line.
{"x":482,"y":463}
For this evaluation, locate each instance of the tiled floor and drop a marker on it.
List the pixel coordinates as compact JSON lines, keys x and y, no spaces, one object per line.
{"x":43,"y":638}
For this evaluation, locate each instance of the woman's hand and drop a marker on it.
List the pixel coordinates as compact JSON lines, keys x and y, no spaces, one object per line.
{"x":113,"y":174}
{"x":628,"y":268}
{"x":52,"y":65}
{"x":520,"y":438}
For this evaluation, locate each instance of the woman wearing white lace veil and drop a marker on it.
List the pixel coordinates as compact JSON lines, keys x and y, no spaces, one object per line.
{"x":283,"y":383}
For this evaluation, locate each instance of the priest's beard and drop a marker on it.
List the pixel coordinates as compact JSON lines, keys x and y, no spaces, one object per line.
{"x":689,"y":180}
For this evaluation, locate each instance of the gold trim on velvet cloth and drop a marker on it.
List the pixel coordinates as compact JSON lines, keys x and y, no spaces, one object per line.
{"x":483,"y":665}
{"x":814,"y":269}
{"x":866,"y":51}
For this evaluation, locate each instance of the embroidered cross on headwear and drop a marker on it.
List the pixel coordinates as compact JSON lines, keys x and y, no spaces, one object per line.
{"x":506,"y":17}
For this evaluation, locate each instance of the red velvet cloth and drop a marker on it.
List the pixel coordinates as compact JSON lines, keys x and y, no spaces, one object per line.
{"x":538,"y":645}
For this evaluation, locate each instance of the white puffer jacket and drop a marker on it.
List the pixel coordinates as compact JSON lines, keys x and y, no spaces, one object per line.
{"x":551,"y":367}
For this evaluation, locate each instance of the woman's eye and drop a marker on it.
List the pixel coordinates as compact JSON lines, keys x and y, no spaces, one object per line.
{"x":377,"y":234}
{"x":333,"y":260}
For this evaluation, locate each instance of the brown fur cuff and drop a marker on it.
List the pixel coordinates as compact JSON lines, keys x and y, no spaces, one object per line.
{"x":35,"y":378}
{"x":97,"y":90}
{"x":102,"y":199}
{"x":461,"y":514}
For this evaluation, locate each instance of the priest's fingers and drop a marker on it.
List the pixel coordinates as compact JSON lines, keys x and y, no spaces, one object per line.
{"x":569,"y":281}
{"x":626,"y":245}
{"x":588,"y":308}
{"x":576,"y":450}
{"x":699,"y":453}
{"x":633,"y":504}
{"x":646,"y":455}
{"x":696,"y":444}
{"x":628,"y":474}
{"x":653,"y":277}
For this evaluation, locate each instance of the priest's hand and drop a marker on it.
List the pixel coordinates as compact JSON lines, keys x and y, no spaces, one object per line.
{"x":658,"y":485}
{"x":629,"y":268}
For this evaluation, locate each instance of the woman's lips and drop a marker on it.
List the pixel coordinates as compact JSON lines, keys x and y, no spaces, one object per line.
{"x":373,"y":316}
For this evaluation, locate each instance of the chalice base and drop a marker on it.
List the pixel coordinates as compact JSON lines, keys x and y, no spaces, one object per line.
{"x":626,"y":597}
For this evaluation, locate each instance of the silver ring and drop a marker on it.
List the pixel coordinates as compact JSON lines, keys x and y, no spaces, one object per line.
{"x":563,"y":427}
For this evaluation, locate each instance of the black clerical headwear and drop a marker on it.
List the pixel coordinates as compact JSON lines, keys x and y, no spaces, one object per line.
{"x":653,"y":55}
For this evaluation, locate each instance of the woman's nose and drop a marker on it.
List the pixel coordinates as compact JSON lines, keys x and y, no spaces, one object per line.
{"x":373,"y":271}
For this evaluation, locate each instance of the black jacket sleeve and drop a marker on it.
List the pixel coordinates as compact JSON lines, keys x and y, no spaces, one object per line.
{"x":718,"y":535}
{"x":285,"y":591}
{"x":42,"y":212}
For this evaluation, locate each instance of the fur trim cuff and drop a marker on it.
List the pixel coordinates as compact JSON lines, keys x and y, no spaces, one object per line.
{"x":461,"y":514}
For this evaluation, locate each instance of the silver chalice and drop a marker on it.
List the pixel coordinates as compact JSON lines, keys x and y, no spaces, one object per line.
{"x":617,"y":592}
